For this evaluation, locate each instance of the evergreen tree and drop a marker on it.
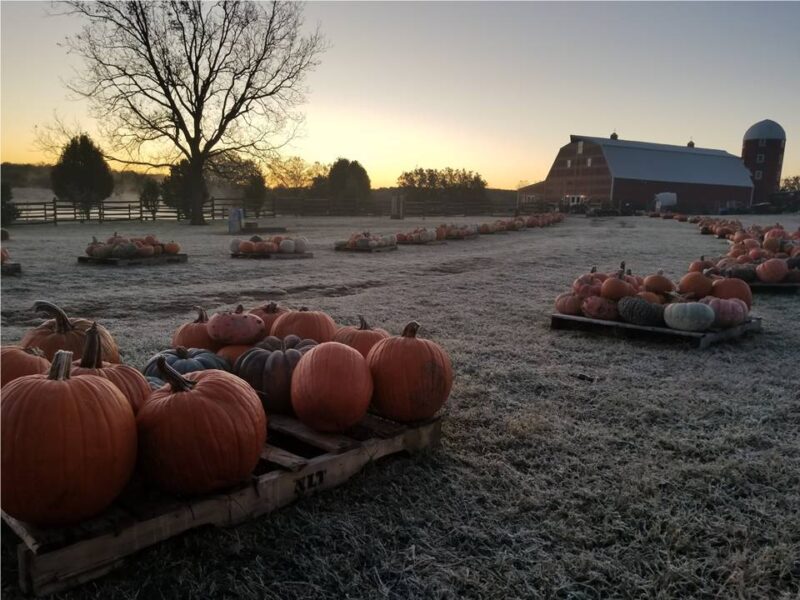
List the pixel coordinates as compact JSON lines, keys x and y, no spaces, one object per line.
{"x":81,"y":175}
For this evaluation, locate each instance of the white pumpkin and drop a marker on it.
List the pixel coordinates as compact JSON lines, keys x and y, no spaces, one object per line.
{"x":235,"y":246}
{"x":287,"y":247}
{"x":301,"y":245}
{"x":689,"y":316}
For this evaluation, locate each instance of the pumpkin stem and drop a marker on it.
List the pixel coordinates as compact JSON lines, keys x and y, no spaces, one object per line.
{"x":61,"y":366}
{"x":202,"y":315}
{"x":181,"y":352}
{"x":63,"y":324}
{"x":303,"y":309}
{"x":92,"y":349}
{"x":410,"y":330}
{"x":239,"y":310}
{"x":593,"y":269}
{"x":177,"y":382}
{"x":622,"y":266}
{"x":272,"y":307}
{"x":362,"y":324}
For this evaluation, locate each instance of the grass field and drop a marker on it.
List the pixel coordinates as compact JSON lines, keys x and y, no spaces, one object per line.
{"x":571,"y":466}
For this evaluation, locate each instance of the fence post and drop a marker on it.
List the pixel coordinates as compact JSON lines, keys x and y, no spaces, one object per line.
{"x":55,"y":212}
{"x":100,"y":211}
{"x":213,"y":207}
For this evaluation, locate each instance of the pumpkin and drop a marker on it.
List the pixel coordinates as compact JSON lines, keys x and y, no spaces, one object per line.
{"x":63,"y":333}
{"x":588,"y":284}
{"x":128,"y":380}
{"x":362,"y":338}
{"x":696,"y":284}
{"x":650,"y":297}
{"x":237,"y":327}
{"x":772,"y":244}
{"x":172,"y":248}
{"x":256,"y":239}
{"x":234,"y":246}
{"x":203,"y":432}
{"x":301,"y":245}
{"x":412,"y":376}
{"x":743,"y":272}
{"x":318,"y":397}
{"x":616,"y":287}
{"x":569,"y":304}
{"x":286,"y":247}
{"x":68,"y":445}
{"x":658,"y":284}
{"x":232,"y":353}
{"x":596,"y":307}
{"x":689,"y":316}
{"x":727,"y":313}
{"x":773,"y":270}
{"x":639,"y":311}
{"x":247,"y":247}
{"x":186,"y":360}
{"x":733,"y":288}
{"x":268,"y":313}
{"x":268,"y":369}
{"x":195,"y":334}
{"x":16,"y":361}
{"x":144,"y":250}
{"x":305,"y":324}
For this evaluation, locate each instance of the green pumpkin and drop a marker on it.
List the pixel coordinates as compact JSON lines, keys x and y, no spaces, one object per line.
{"x":689,"y":316}
{"x":125,"y":250}
{"x":639,"y":311}
{"x":743,"y":272}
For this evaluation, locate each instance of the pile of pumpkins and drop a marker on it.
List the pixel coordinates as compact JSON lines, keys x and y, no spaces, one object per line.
{"x":75,"y":431}
{"x":421,"y":235}
{"x":696,"y":303}
{"x":269,"y":245}
{"x":5,"y":256}
{"x":458,"y":232}
{"x":366,"y":241}
{"x":117,"y":246}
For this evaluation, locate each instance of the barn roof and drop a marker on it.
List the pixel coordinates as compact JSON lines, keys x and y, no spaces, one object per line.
{"x":662,"y":162}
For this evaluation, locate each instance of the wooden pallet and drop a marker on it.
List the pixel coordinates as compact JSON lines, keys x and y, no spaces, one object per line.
{"x":377,"y":249}
{"x":11,"y":269}
{"x":433,"y":243}
{"x":135,"y":261}
{"x":474,"y":236}
{"x":295,"y":462}
{"x":278,"y":255}
{"x":655,"y":334}
{"x":778,"y":288}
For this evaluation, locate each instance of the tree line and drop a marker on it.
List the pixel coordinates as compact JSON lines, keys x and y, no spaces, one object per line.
{"x":443,"y":186}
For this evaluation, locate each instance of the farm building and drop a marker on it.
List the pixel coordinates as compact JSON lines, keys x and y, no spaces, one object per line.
{"x":610,"y":173}
{"x":762,"y":153}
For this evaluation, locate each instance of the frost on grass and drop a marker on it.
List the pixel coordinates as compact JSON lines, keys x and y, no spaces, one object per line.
{"x":572,"y":466}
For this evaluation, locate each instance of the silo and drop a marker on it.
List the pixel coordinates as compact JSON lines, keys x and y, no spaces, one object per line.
{"x":762,"y":153}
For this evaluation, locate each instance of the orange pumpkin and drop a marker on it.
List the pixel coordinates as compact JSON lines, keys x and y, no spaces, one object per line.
{"x":616,"y":287}
{"x":318,"y":397}
{"x":128,"y":380}
{"x":172,"y":248}
{"x":268,"y":313}
{"x":69,"y":445}
{"x":658,"y":284}
{"x":696,"y":284}
{"x":700,"y":265}
{"x":247,"y":247}
{"x":16,"y":361}
{"x":651,"y":297}
{"x":202,"y":432}
{"x":773,"y":270}
{"x":569,"y":304}
{"x":233,"y":352}
{"x":63,"y":333}
{"x":732,"y":288}
{"x":362,"y":338}
{"x":305,"y":324}
{"x":195,"y":334}
{"x":412,"y":376}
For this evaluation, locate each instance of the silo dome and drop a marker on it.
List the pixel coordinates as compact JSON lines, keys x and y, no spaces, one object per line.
{"x":765,"y":130}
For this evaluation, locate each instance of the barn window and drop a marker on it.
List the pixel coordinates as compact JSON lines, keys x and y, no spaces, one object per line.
{"x":588,"y":162}
{"x":762,"y":142}
{"x":580,"y":147}
{"x":757,"y":176}
{"x":759,"y":158}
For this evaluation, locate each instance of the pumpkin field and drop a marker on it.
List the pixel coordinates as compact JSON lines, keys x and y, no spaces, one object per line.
{"x":571,"y":465}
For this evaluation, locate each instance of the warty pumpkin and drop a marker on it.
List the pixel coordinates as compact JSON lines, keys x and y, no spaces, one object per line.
{"x":128,"y":380}
{"x":305,"y":324}
{"x":202,"y":433}
{"x":64,"y":333}
{"x":237,"y":327}
{"x":68,"y":445}
{"x":319,"y":398}
{"x":268,"y":369}
{"x":636,"y":310}
{"x":16,"y":361}
{"x":362,"y":338}
{"x":412,"y":376}
{"x":195,"y":334}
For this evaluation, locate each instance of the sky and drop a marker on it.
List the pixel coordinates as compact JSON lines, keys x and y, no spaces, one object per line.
{"x":495,"y":88}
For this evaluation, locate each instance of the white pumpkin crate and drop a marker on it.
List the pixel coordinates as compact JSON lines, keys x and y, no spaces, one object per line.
{"x":698,"y":339}
{"x":296,"y":461}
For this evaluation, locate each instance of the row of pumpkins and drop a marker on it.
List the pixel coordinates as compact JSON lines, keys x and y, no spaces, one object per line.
{"x":270,"y":245}
{"x":668,"y":215}
{"x":366,"y":241}
{"x":117,"y":246}
{"x":74,"y":431}
{"x":696,"y":303}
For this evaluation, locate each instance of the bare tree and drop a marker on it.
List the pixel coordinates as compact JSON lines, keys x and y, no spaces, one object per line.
{"x":196,"y":81}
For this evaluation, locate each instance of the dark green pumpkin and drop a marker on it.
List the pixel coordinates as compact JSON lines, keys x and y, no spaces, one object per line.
{"x":268,"y":369}
{"x":186,"y":360}
{"x":639,"y":311}
{"x":124,"y":250}
{"x":743,"y":272}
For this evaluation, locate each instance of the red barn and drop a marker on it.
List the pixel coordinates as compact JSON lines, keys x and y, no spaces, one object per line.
{"x":626,"y":175}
